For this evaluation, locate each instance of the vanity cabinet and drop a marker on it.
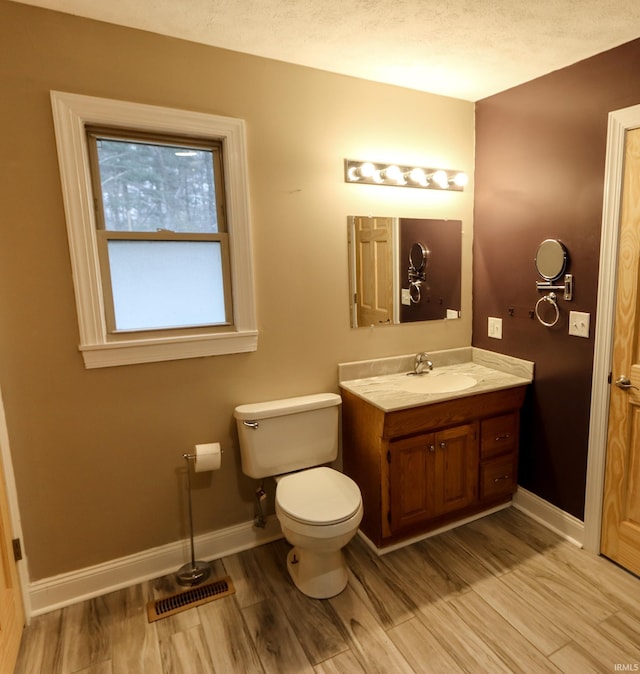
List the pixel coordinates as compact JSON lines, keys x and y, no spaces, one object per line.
{"x":499,"y":455}
{"x":432,"y":474}
{"x":422,"y":467}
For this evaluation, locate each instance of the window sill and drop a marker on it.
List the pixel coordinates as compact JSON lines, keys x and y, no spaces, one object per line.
{"x":154,"y":350}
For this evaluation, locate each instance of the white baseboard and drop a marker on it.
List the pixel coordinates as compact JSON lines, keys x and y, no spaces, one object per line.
{"x":56,"y":592}
{"x":65,"y":589}
{"x":564,"y":524}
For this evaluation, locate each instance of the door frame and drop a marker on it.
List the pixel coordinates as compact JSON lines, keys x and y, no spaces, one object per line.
{"x":14,"y":513}
{"x":620,"y":121}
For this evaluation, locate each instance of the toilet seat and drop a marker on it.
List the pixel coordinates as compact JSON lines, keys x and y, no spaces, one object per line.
{"x":318,"y":496}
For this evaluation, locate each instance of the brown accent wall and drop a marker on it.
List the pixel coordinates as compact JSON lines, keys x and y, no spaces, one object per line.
{"x":98,"y":453}
{"x":540,"y":155}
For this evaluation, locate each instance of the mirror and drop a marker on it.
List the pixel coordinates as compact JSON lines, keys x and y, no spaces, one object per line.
{"x":551,"y":259}
{"x":403,"y":270}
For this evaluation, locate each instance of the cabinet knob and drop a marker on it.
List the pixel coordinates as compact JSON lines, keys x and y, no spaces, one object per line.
{"x":432,"y":448}
{"x":443,"y":445}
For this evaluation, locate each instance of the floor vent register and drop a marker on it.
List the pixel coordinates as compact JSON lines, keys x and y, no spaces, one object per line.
{"x":161,"y":608}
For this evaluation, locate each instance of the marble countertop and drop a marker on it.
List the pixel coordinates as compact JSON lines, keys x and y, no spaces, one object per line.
{"x":383,"y":379}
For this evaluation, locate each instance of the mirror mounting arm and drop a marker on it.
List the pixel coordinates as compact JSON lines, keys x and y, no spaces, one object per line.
{"x":567,"y":288}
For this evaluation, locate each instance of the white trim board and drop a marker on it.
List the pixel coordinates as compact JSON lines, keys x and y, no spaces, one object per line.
{"x":552,"y":517}
{"x":65,"y":589}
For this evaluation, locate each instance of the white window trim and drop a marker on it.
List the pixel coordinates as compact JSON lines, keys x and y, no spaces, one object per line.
{"x":71,"y":114}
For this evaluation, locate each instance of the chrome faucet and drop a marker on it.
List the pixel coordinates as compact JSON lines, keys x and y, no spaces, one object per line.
{"x":421,"y":362}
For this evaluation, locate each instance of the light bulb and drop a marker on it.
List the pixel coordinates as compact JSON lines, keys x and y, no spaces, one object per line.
{"x":392,"y":173}
{"x":441,"y":179}
{"x":418,"y":176}
{"x":460,"y":179}
{"x":366,"y":170}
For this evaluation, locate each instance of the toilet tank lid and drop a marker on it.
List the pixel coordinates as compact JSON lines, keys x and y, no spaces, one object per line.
{"x":277,"y":408}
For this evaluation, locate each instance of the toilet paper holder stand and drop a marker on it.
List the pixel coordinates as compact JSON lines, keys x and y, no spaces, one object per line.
{"x":193,"y":572}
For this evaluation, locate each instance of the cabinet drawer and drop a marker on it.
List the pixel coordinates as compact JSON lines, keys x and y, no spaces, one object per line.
{"x":497,"y":477}
{"x":498,"y":435}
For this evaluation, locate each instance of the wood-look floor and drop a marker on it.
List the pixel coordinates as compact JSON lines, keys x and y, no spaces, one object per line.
{"x":502,"y":594}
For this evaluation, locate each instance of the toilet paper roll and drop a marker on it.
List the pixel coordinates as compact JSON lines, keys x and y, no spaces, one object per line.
{"x":207,"y":457}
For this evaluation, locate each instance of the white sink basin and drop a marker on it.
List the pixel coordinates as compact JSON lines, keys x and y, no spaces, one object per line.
{"x":447,"y":382}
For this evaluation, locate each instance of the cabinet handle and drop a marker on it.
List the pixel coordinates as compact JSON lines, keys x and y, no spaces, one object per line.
{"x":506,"y":436}
{"x":443,"y":445}
{"x":502,"y":477}
{"x":432,"y":448}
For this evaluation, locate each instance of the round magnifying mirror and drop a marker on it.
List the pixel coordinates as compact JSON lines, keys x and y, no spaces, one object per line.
{"x":551,"y":259}
{"x":418,"y":255}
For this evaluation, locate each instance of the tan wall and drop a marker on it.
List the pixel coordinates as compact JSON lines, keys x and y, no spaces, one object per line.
{"x":97,"y":453}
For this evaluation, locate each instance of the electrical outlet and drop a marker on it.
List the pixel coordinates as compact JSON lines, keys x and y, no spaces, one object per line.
{"x":579,"y":323}
{"x":494,"y":327}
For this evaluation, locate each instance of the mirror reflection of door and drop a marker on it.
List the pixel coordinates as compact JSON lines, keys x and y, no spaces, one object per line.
{"x":373,"y":242}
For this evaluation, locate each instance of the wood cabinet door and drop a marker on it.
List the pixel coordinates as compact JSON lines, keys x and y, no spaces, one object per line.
{"x":432,"y":474}
{"x":411,"y":479}
{"x":456,"y":464}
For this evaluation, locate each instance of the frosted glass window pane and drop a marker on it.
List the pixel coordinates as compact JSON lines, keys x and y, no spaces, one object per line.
{"x":166,"y":284}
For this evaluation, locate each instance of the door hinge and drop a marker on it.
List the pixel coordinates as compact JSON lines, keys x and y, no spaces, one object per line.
{"x":17,"y":549}
{"x":389,"y":516}
{"x":388,"y":456}
{"x":609,"y":378}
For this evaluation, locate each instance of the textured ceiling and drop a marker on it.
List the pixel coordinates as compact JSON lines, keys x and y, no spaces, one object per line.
{"x":467,"y":49}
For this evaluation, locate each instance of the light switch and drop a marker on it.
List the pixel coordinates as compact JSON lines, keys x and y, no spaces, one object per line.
{"x":495,"y":327}
{"x":579,"y":323}
{"x":406,"y":297}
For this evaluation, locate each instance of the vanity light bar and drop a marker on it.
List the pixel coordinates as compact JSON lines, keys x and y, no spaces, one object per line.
{"x":375,"y":173}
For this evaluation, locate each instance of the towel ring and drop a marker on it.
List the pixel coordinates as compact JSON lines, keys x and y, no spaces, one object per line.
{"x":414,"y":292}
{"x":551,"y":298}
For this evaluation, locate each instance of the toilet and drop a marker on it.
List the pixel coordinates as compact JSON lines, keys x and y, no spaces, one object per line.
{"x":319,"y":508}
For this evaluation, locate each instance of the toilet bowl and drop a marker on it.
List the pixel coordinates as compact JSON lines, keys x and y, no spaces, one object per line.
{"x":319,"y":510}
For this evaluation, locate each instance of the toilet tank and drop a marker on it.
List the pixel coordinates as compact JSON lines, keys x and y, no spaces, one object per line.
{"x":281,"y":436}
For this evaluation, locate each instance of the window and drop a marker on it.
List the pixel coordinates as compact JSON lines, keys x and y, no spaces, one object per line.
{"x":162,"y":242}
{"x":157,"y":217}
